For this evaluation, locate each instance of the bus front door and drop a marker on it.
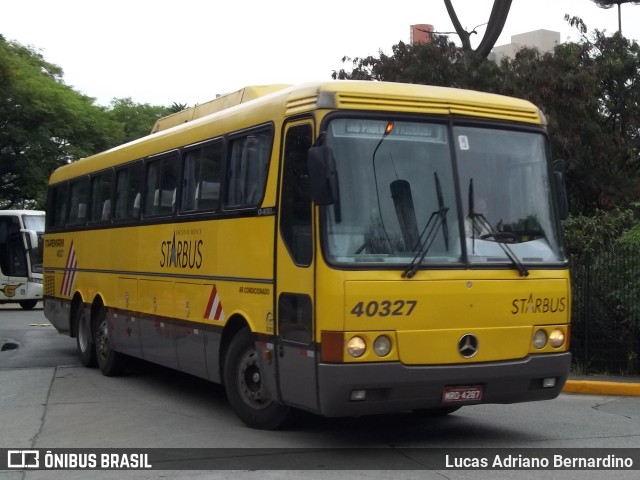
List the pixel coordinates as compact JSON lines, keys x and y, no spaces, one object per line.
{"x":295,"y":351}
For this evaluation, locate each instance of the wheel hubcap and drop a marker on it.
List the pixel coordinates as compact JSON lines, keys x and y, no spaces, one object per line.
{"x":250,"y":382}
{"x":102,"y":339}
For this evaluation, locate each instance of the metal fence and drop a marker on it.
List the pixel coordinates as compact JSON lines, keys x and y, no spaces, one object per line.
{"x":605,"y":330}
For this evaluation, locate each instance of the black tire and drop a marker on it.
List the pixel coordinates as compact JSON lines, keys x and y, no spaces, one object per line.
{"x":84,"y":338}
{"x":111,"y":363}
{"x":245,"y":392}
{"x":28,"y":304}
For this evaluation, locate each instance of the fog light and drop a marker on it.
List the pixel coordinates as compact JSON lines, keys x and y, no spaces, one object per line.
{"x":556,"y":339}
{"x":356,"y":347}
{"x":382,"y":346}
{"x":358,"y":395}
{"x":540,"y":339}
{"x":549,"y":382}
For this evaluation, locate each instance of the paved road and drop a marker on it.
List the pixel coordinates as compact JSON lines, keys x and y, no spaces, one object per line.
{"x":47,"y":400}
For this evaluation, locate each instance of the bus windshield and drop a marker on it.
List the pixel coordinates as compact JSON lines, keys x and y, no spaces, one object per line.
{"x":34,"y":222}
{"x":397,"y":200}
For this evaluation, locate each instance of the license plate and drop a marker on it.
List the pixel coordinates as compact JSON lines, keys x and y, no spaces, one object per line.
{"x":471,"y":393}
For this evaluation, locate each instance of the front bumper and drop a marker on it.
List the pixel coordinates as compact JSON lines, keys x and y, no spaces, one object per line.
{"x":393,"y":387}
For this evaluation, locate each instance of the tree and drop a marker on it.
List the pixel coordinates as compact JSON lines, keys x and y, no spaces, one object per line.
{"x":137,"y":119}
{"x":440,"y":62}
{"x":43,"y":124}
{"x":589,"y":91}
{"x":497,"y":19}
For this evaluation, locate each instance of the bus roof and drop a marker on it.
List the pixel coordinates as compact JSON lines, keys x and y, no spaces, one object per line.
{"x":273,"y":103}
{"x":219,"y":103}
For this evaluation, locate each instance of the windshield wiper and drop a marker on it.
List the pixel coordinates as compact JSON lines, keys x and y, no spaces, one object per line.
{"x":437,"y":220}
{"x":499,"y":237}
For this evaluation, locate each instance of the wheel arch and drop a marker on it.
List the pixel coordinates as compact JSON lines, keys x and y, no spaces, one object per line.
{"x":236,"y":323}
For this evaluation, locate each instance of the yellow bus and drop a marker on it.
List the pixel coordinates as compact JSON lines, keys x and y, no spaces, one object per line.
{"x":344,"y":248}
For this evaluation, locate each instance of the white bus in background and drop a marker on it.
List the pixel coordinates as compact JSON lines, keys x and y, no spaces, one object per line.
{"x":21,"y":242}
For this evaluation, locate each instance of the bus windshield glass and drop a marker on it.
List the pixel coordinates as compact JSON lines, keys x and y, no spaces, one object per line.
{"x":397,"y":199}
{"x":34,"y":222}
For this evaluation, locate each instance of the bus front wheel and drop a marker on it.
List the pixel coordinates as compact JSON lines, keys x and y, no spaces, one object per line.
{"x":84,"y":338}
{"x":245,"y":390}
{"x":111,"y":363}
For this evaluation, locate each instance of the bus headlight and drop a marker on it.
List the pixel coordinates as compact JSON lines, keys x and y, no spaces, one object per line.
{"x":556,"y":339}
{"x":540,"y":339}
{"x":382,"y":346}
{"x":356,"y":347}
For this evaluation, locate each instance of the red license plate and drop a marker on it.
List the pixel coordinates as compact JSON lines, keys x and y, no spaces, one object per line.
{"x":471,"y":393}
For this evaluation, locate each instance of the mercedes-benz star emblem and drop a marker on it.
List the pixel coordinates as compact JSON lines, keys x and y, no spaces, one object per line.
{"x":468,"y":345}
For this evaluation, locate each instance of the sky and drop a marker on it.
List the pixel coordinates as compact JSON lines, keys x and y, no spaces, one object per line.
{"x":188,"y":51}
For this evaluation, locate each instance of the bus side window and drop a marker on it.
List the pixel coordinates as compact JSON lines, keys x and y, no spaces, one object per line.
{"x":295,"y":200}
{"x":57,"y":206}
{"x":201,"y":183}
{"x":162,"y":184}
{"x":247,"y":169}
{"x":101,"y":197}
{"x":79,"y":194}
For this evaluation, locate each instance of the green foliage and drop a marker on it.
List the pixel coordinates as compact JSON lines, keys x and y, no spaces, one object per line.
{"x":43,"y":124}
{"x":135,"y":119}
{"x":606,"y":289}
{"x":599,"y":232}
{"x":588,"y":90}
{"x":631,"y":237}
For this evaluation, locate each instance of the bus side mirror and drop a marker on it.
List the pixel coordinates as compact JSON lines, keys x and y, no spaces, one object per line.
{"x":561,"y":188}
{"x":30,"y":239}
{"x":323,"y":175}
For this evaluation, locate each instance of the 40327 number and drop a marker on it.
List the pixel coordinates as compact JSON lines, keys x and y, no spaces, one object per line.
{"x":385,"y":308}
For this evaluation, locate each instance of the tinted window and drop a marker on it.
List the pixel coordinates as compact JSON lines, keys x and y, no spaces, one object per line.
{"x":129,"y":192}
{"x":295,"y":210}
{"x":202,"y":173}
{"x":57,"y":205}
{"x":79,"y":197}
{"x":101,"y":197}
{"x":247,"y":169}
{"x":162,"y":186}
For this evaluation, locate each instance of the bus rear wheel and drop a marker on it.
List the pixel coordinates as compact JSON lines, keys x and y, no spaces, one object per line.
{"x":111,"y":363}
{"x":245,"y":390}
{"x":28,"y":304}
{"x":84,"y":338}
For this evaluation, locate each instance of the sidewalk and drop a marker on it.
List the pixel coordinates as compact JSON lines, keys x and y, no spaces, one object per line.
{"x":603,"y":385}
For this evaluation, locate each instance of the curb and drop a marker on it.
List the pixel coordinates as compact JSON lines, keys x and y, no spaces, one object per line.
{"x":602,"y":388}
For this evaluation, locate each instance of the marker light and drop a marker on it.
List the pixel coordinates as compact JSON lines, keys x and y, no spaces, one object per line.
{"x":382,"y":346}
{"x":356,"y":347}
{"x":388,"y":128}
{"x":540,"y":339}
{"x":556,"y":338}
